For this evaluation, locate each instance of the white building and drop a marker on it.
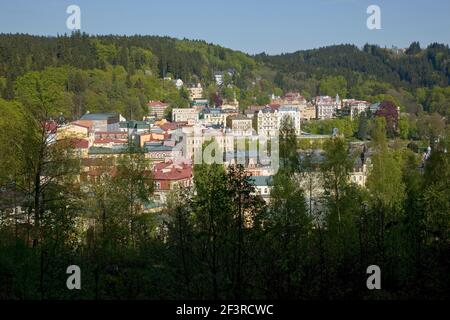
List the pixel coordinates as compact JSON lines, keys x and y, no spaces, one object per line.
{"x":218,"y":76}
{"x":294,"y":113}
{"x":178,"y":83}
{"x":326,"y":107}
{"x":269,"y":119}
{"x":267,"y":122}
{"x":355,"y":107}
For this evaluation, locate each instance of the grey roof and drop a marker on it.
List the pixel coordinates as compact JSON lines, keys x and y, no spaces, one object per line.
{"x":240,"y":116}
{"x":157,"y":147}
{"x":212,"y":111}
{"x":238,"y":154}
{"x":133,"y":124}
{"x":103,"y":150}
{"x":288,"y":108}
{"x":156,"y":130}
{"x":261,"y":181}
{"x":98,"y":116}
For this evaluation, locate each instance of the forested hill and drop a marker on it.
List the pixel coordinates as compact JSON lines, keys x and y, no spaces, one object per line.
{"x":118,"y":73}
{"x":412,"y":67}
{"x":122,"y":72}
{"x":186,"y":59}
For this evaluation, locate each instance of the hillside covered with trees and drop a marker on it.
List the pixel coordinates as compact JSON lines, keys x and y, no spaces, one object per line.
{"x":123,"y":72}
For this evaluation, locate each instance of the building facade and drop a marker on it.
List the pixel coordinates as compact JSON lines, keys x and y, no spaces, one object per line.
{"x":241,"y":125}
{"x":269,"y":120}
{"x":326,"y":107}
{"x":157,"y":108}
{"x":195,"y":92}
{"x":189,"y":115}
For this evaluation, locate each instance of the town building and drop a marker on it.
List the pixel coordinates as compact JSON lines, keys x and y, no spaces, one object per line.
{"x":134,"y":126}
{"x":290,"y":98}
{"x":199,"y":104}
{"x":109,"y":142}
{"x":262,"y":186}
{"x":250,"y":111}
{"x":355,"y":107}
{"x":269,"y":119}
{"x":294,"y":113}
{"x":307,"y":112}
{"x":195,"y":92}
{"x":217,"y":116}
{"x":105,"y":121}
{"x":267,"y":122}
{"x":189,"y":115}
{"x":157,"y":108}
{"x":240,"y":125}
{"x":195,"y":136}
{"x":178,"y":83}
{"x":76,"y":129}
{"x":161,"y":151}
{"x":218,"y":76}
{"x":168,"y":176}
{"x":80,"y":147}
{"x":230,"y":104}
{"x":326,"y":107}
{"x":214,"y":116}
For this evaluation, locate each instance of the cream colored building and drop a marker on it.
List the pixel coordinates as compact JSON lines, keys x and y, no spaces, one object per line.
{"x":230,"y":104}
{"x":360,"y":173}
{"x":267,"y":122}
{"x":194,"y":137}
{"x":355,"y":107}
{"x":189,"y":115}
{"x":241,"y":125}
{"x":217,"y":116}
{"x":308,"y":112}
{"x":196,"y":92}
{"x":77,"y":129}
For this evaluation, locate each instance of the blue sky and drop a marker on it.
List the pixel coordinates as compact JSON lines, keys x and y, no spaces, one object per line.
{"x":252,"y":26}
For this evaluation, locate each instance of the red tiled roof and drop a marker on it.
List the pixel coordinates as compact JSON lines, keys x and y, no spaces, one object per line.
{"x":274,"y":106}
{"x":83,"y":123}
{"x":111,"y":132}
{"x":95,"y":162}
{"x":170,"y":143}
{"x":79,"y":143}
{"x":108,"y":140}
{"x":156,"y":103}
{"x":51,"y":126}
{"x":168,"y":126}
{"x":358,"y":102}
{"x":170,"y":171}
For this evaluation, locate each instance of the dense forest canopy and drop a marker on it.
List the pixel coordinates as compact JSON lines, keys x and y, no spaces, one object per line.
{"x":416,"y":79}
